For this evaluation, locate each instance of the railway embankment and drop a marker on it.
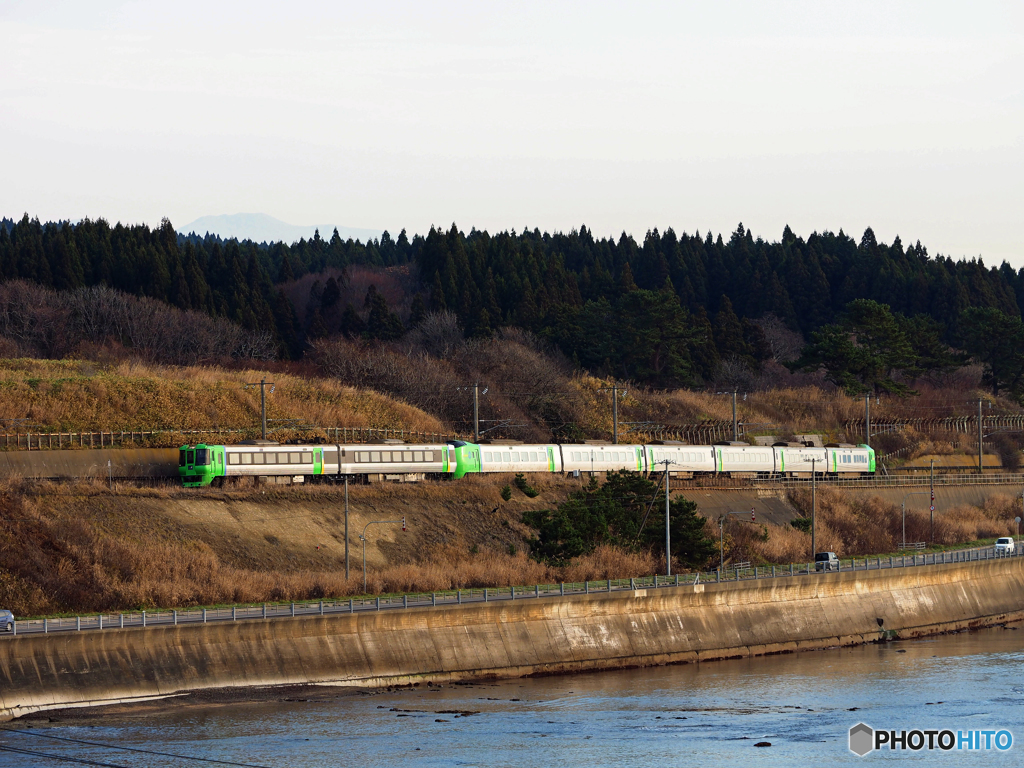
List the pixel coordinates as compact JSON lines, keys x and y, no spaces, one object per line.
{"x":507,"y":639}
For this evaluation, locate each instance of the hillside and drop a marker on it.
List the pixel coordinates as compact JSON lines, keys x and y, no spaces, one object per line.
{"x":70,"y":396}
{"x":83,"y":547}
{"x":526,"y":394}
{"x":676,"y":310}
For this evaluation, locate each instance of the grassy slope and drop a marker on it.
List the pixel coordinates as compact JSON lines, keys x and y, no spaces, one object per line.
{"x":82,"y":547}
{"x":75,"y":395}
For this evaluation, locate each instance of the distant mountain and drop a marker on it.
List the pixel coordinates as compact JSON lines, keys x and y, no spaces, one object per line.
{"x":259,"y":227}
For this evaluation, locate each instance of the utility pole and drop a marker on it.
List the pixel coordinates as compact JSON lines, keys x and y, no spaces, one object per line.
{"x":931,"y":512}
{"x":476,"y":413}
{"x":668,"y":529}
{"x":346,"y":528}
{"x":867,"y":419}
{"x":735,"y":432}
{"x":615,"y":414}
{"x":814,"y":511}
{"x":981,"y":438}
{"x":721,"y":543}
{"x":262,"y":384}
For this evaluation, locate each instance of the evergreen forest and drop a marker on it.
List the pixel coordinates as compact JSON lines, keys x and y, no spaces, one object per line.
{"x":672,"y":310}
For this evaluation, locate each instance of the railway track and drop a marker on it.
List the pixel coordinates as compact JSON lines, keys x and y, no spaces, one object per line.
{"x":158,"y":465}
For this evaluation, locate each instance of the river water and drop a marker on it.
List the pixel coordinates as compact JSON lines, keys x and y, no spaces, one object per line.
{"x":704,"y":715}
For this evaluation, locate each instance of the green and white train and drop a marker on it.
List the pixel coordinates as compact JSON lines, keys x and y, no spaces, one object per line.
{"x":203,"y":464}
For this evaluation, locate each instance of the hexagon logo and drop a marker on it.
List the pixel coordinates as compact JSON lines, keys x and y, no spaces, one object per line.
{"x":862,"y":739}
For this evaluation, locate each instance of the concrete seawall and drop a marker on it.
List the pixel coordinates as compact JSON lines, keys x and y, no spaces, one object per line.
{"x":509,"y":639}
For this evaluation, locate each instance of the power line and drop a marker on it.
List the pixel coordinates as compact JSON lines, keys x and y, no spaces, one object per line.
{"x":127,"y":749}
{"x":80,"y":761}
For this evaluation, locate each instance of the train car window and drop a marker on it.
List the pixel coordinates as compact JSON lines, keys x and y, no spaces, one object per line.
{"x":247,"y":458}
{"x":232,"y":458}
{"x":362,"y":456}
{"x":191,"y":457}
{"x":506,"y":456}
{"x":533,"y":456}
{"x":294,"y":458}
{"x":417,"y":455}
{"x":182,"y":458}
{"x":307,"y":457}
{"x":257,"y":458}
{"x":374,"y":456}
{"x":330,"y":457}
{"x":487,"y":455}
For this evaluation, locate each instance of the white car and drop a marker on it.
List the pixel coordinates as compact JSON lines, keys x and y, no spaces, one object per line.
{"x":6,"y":620}
{"x":1005,"y":545}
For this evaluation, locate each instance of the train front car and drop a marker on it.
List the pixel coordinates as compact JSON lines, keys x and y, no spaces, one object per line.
{"x":520,"y":458}
{"x":467,"y":457}
{"x":199,"y":465}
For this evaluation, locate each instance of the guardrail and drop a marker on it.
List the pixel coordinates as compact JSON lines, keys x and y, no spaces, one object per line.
{"x":264,"y":611}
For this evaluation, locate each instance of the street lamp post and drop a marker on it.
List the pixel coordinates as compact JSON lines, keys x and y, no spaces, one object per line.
{"x":903,"y":506}
{"x":814,"y":510}
{"x":721,"y":535}
{"x":931,"y":506}
{"x":362,"y":538}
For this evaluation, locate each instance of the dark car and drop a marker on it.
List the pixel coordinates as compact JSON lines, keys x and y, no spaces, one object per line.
{"x":826,"y":561}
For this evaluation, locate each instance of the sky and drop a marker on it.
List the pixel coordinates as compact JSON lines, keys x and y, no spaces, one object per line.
{"x":903,"y":116}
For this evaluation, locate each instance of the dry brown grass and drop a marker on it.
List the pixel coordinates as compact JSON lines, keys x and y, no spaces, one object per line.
{"x":81,"y":547}
{"x":855,"y":527}
{"x":74,"y":396}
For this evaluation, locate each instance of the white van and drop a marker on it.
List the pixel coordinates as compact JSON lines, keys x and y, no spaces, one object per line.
{"x":1005,"y":546}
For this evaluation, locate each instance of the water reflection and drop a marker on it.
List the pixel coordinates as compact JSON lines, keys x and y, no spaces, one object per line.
{"x":689,"y":715}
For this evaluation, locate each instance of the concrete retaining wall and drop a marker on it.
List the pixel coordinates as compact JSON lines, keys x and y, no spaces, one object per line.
{"x":508,"y":639}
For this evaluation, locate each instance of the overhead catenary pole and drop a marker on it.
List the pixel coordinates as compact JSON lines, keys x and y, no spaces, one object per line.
{"x":263,"y":407}
{"x":615,"y":414}
{"x":262,"y":384}
{"x":476,"y":413}
{"x":867,"y":419}
{"x":735,"y":431}
{"x":981,"y":439}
